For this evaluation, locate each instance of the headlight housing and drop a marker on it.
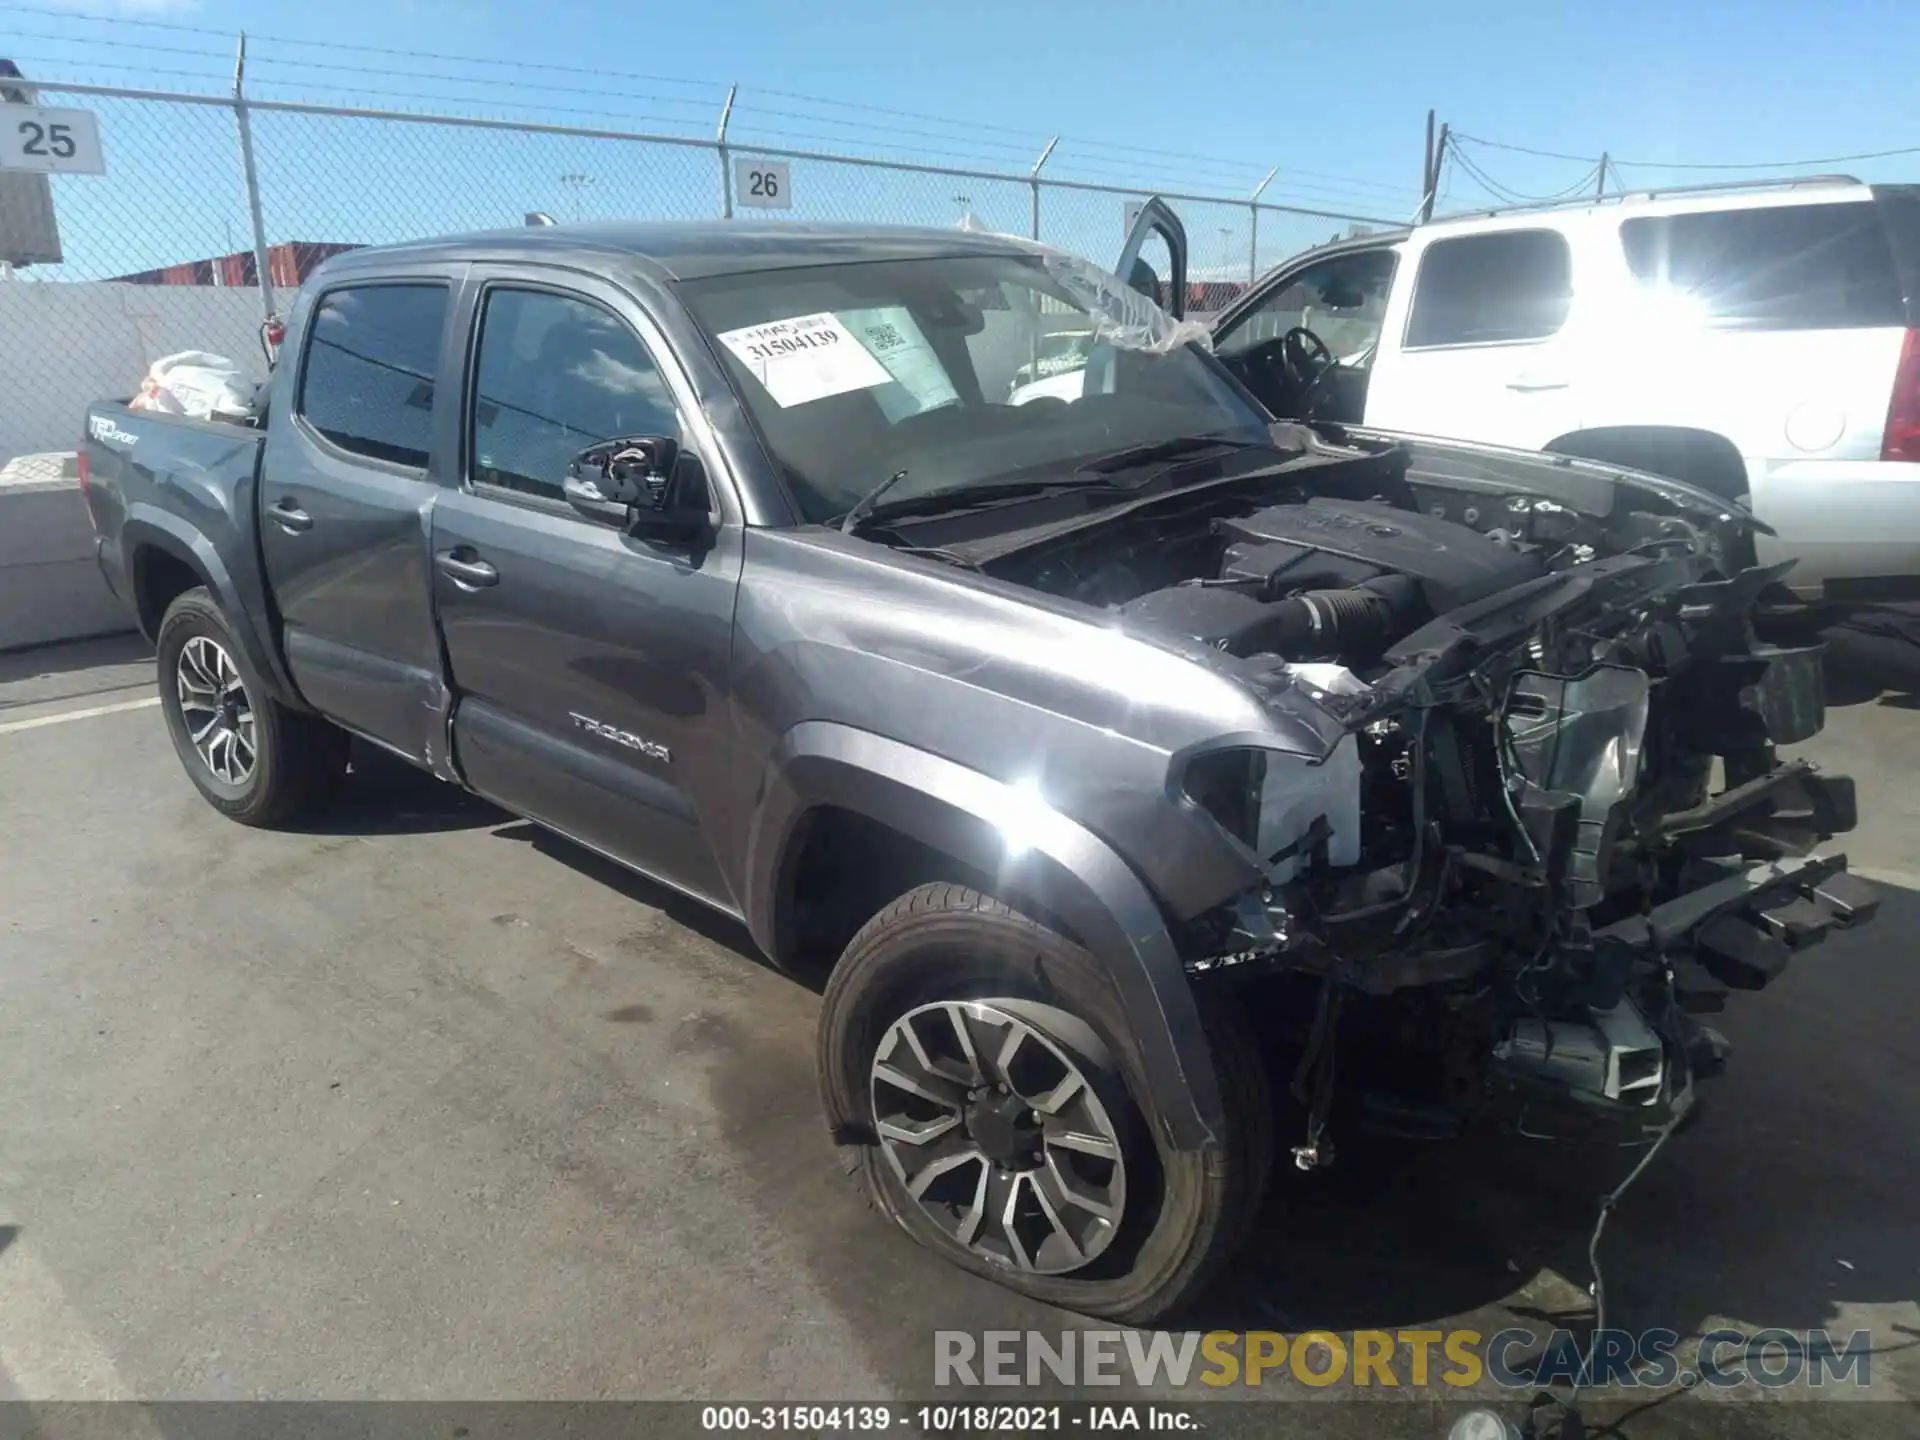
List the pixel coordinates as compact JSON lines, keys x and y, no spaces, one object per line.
{"x":1227,"y":784}
{"x":1268,"y":800}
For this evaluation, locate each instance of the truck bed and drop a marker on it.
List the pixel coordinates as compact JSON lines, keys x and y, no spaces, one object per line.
{"x":166,"y":488}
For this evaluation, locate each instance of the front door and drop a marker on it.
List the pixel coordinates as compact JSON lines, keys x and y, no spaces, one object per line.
{"x":1479,"y":347}
{"x":589,"y":666}
{"x":1305,"y":341}
{"x":1153,"y":258}
{"x":347,"y":482}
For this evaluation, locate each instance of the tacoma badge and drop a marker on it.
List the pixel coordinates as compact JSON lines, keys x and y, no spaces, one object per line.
{"x":621,"y":737}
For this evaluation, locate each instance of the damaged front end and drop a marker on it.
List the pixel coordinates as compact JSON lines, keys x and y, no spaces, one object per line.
{"x":1552,"y":834}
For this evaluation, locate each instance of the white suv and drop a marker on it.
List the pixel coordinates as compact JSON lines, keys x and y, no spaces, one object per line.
{"x":1761,"y":342}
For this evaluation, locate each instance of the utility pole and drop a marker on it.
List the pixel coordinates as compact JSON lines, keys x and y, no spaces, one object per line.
{"x":1428,"y":174}
{"x":1436,"y":163}
{"x":1601,"y":188}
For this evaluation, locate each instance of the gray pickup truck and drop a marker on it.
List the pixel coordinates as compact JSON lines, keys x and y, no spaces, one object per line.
{"x":1103,"y":757}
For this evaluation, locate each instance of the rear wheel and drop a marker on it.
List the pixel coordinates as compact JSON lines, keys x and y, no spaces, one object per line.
{"x":255,"y":760}
{"x":983,"y":1050}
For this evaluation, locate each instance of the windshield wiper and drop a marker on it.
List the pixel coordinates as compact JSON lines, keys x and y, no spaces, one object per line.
{"x":967,"y":497}
{"x":863,"y":507}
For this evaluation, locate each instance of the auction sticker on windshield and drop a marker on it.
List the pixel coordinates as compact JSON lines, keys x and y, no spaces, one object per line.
{"x":806,"y":358}
{"x":891,"y":335}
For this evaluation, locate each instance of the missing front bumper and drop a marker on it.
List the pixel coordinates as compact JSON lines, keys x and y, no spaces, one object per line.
{"x":1635,"y":1057}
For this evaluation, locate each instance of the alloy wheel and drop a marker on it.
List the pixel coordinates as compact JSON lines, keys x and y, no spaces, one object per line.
{"x":995,"y":1132}
{"x":216,"y":710}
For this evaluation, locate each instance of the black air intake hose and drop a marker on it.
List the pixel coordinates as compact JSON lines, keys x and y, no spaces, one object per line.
{"x":1362,"y":620}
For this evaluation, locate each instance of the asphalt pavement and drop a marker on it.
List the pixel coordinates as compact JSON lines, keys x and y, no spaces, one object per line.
{"x":423,"y":1103}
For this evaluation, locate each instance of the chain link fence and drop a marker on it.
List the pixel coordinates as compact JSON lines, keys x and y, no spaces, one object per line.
{"x":166,"y":250}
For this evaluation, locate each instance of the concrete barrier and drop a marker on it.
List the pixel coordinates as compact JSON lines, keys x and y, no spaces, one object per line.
{"x":50,"y":587}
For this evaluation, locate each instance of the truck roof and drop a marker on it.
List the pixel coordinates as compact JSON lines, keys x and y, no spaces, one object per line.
{"x":695,"y":249}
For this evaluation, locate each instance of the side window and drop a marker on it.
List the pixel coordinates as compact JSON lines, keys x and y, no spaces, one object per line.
{"x":555,"y":375}
{"x":367,"y":385}
{"x":1152,"y":271}
{"x":1342,"y":299}
{"x":1790,"y":267}
{"x":1485,"y":289}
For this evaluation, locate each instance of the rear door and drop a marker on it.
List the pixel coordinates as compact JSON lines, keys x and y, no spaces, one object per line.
{"x":348,"y":483}
{"x":1483,"y":344}
{"x":590,"y":665}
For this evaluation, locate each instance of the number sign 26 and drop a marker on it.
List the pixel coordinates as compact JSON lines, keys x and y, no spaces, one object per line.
{"x":762,"y":184}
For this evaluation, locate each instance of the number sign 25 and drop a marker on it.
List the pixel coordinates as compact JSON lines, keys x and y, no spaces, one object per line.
{"x":762,"y":184}
{"x":33,"y":137}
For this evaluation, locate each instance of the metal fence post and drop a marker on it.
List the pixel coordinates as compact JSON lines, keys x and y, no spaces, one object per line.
{"x":1033,"y":180}
{"x":726,"y":168}
{"x":1253,"y":226}
{"x":261,"y":262}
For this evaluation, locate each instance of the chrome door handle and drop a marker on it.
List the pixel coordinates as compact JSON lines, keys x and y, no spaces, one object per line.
{"x":471,"y":574}
{"x":1527,"y":384}
{"x":290,"y":517}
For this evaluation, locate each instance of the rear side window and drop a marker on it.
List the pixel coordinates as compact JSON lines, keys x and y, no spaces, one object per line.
{"x":557,"y":374}
{"x":1486,"y":289}
{"x":1804,"y":267}
{"x":372,"y":351}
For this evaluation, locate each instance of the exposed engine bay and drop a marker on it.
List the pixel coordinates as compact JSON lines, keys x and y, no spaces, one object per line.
{"x":1548,"y":828}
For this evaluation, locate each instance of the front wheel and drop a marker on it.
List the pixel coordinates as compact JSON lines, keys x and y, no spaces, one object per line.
{"x":253,"y":759}
{"x":1004,"y":1129}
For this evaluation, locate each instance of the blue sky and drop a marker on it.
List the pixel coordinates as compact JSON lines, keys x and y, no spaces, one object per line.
{"x":1205,"y":97}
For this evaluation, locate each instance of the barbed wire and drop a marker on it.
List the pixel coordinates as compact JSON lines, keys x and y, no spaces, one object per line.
{"x":965,"y":143}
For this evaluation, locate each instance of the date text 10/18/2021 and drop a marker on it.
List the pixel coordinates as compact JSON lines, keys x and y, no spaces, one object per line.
{"x":936,"y":1419}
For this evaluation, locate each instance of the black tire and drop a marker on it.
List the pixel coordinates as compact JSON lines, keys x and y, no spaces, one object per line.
{"x":297,"y":759}
{"x":1187,"y":1212}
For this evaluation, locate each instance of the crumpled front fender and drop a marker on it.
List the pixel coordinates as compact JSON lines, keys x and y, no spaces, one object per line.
{"x":1002,"y":830}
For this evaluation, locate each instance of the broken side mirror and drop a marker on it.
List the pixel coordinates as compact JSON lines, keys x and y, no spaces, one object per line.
{"x":642,"y":483}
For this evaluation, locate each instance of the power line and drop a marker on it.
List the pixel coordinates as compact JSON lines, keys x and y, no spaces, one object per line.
{"x":1239,"y":167}
{"x":1517,"y":197}
{"x":705,"y":107}
{"x":1525,"y":149}
{"x":141,"y":45}
{"x":1341,"y":189}
{"x":747,"y":109}
{"x":1701,"y":164}
{"x":1485,"y":181}
{"x":884,"y":110}
{"x":121,"y":22}
{"x":780,"y":138}
{"x":62,"y":13}
{"x":1243,"y":167}
{"x":49,"y":83}
{"x":255,"y":61}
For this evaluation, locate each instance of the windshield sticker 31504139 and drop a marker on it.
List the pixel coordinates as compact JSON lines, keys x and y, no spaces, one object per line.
{"x":806,"y":358}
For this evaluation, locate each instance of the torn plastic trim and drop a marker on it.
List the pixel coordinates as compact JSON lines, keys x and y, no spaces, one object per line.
{"x":1118,"y":314}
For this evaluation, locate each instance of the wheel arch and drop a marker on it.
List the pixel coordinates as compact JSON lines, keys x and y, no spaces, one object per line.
{"x":1698,"y":455}
{"x":826,"y":781}
{"x":165,"y":559}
